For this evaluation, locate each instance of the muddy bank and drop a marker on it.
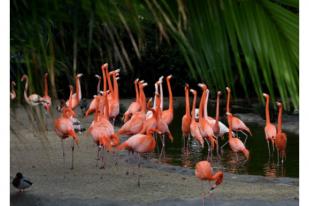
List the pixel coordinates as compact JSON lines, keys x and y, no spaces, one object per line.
{"x":39,"y":157}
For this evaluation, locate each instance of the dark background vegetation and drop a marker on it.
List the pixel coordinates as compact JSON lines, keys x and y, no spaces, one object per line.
{"x":251,"y":46}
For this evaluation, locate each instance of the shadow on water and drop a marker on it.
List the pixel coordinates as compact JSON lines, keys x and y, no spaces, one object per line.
{"x":258,"y":164}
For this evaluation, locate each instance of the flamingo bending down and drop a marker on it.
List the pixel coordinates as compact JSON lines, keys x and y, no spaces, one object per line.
{"x":92,"y":105}
{"x":13,"y":93}
{"x":134,"y":106}
{"x":235,"y":143}
{"x":270,"y":129}
{"x":168,"y":115}
{"x":64,"y":127}
{"x":33,"y":99}
{"x":135,"y":124}
{"x":140,"y":143}
{"x":47,"y":103}
{"x":281,"y":137}
{"x":76,"y":97}
{"x":237,"y":124}
{"x":194,"y":126}
{"x":186,"y":118}
{"x":204,"y":172}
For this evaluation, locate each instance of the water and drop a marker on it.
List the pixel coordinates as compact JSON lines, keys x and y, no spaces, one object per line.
{"x":258,"y":164}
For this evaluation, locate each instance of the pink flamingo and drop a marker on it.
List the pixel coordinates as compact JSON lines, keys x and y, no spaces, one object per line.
{"x":134,"y":106}
{"x":270,"y":129}
{"x":236,"y":144}
{"x":194,"y":126}
{"x":167,"y":115}
{"x":33,"y":99}
{"x":281,"y":137}
{"x":186,"y":118}
{"x":237,"y":124}
{"x":92,"y":105}
{"x":47,"y":103}
{"x":76,"y":97}
{"x":64,"y":127}
{"x":13,"y":93}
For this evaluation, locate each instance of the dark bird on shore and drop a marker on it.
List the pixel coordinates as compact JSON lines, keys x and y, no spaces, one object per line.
{"x":20,"y":182}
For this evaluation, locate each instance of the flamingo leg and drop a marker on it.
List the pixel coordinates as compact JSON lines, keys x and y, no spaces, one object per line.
{"x":236,"y":156}
{"x":217,"y":148}
{"x":273,"y":144}
{"x":98,"y":155}
{"x":203,"y":193}
{"x":72,"y":165}
{"x":224,"y":145}
{"x":278,"y":157}
{"x":208,"y":148}
{"x":102,"y":159}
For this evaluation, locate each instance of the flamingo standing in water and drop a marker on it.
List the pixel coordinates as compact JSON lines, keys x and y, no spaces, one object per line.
{"x":135,"y":124}
{"x":281,"y":137}
{"x":140,"y":143}
{"x":205,"y":128}
{"x":134,"y":106}
{"x":76,"y":97}
{"x":236,"y":144}
{"x":194,"y":126}
{"x":270,"y":129}
{"x":33,"y":99}
{"x":167,"y":115}
{"x":237,"y":124}
{"x":204,"y":172}
{"x":92,"y":105}
{"x":47,"y":103}
{"x":64,"y":127}
{"x":186,"y":118}
{"x":13,"y":93}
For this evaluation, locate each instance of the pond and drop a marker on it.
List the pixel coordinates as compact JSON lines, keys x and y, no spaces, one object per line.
{"x":258,"y":164}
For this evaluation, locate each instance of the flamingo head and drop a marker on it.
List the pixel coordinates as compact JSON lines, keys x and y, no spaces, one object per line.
{"x":193,"y":91}
{"x":24,"y":77}
{"x":218,"y":93}
{"x":136,"y":81}
{"x":161,"y":79}
{"x":104,"y":66}
{"x":202,"y":85}
{"x":227,"y":89}
{"x":46,"y":74}
{"x":279,"y":104}
{"x":98,"y":76}
{"x":47,"y":107}
{"x":187,"y":85}
{"x":79,"y":75}
{"x":219,"y":178}
{"x":265,"y":95}
{"x":13,"y":83}
{"x":169,"y":77}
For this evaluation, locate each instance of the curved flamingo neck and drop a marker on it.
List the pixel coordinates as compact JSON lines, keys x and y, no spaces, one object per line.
{"x":116,"y":89}
{"x":230,"y":127}
{"x":228,"y":101}
{"x":142,"y":99}
{"x":217,"y":109}
{"x":110,"y":86}
{"x":161,"y":95}
{"x":26,"y":91}
{"x":267,"y":110}
{"x":136,"y":92}
{"x":193,"y":106}
{"x":96,"y":114}
{"x":78,"y":89}
{"x":280,"y":120}
{"x":45,"y":85}
{"x":104,"y":78}
{"x":170,"y":94}
{"x":206,"y":104}
{"x":106,"y":107}
{"x":187,"y":102}
{"x":201,"y":113}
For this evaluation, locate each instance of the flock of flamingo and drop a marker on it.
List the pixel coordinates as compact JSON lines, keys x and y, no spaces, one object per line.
{"x":144,"y":121}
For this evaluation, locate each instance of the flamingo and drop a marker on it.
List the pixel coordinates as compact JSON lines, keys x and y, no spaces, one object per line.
{"x":140,"y":143}
{"x":114,"y":101}
{"x":47,"y":103}
{"x":270,"y":129}
{"x":205,"y":128}
{"x":135,"y":124}
{"x":149,"y":112}
{"x":76,"y":97}
{"x":236,"y":144}
{"x":167,"y":115}
{"x":281,"y":137}
{"x":33,"y":99}
{"x":151,"y":122}
{"x":194,"y":126}
{"x":237,"y":124}
{"x":64,"y":127}
{"x":186,"y":118}
{"x":13,"y":93}
{"x":134,"y":106}
{"x":92,"y":105}
{"x":204,"y":171}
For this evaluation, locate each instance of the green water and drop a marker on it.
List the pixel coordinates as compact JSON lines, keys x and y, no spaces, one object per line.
{"x":258,"y":164}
